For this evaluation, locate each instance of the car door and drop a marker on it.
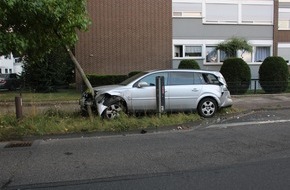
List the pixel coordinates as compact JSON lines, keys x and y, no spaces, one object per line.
{"x":143,"y":94}
{"x":184,"y":88}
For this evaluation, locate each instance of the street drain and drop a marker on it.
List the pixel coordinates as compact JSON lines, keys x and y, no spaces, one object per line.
{"x":19,"y":144}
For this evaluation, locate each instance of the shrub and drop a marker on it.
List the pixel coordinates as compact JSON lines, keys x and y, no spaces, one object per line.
{"x":99,"y":80}
{"x":273,"y":75}
{"x":237,"y":74}
{"x":188,"y":64}
{"x":54,"y":71}
{"x":133,"y":73}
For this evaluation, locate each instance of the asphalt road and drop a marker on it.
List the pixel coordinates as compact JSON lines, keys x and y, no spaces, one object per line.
{"x":247,"y":151}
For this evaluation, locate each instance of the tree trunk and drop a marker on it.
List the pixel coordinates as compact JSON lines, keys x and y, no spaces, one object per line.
{"x":81,"y":71}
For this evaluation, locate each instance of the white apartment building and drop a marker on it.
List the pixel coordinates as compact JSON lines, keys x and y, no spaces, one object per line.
{"x":10,"y":64}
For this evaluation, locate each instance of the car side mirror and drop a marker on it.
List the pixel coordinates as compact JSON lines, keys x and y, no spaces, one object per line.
{"x":142,"y":84}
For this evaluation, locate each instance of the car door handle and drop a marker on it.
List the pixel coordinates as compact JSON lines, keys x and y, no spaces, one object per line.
{"x":195,"y":90}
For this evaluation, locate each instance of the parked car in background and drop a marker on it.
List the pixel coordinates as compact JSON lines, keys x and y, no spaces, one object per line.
{"x":185,"y":90}
{"x":10,"y":81}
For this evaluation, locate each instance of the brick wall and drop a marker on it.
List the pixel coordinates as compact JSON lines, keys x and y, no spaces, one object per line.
{"x":125,"y":36}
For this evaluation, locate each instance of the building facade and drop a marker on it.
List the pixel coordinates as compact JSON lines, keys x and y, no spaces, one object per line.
{"x":126,"y":36}
{"x":199,"y":25}
{"x":10,"y":64}
{"x":134,"y":35}
{"x":282,"y":29}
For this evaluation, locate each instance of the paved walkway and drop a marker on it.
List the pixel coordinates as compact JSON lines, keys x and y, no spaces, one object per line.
{"x":261,"y":101}
{"x":240,"y":102}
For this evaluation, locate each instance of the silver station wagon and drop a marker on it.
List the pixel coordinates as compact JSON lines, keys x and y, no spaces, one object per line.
{"x":185,"y":90}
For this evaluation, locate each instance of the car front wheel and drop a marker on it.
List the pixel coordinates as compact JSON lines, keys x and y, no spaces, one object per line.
{"x":207,"y":107}
{"x":113,"y":110}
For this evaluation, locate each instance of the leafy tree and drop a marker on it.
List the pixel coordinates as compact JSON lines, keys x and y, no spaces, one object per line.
{"x":33,"y":28}
{"x":232,"y":45}
{"x":55,"y":69}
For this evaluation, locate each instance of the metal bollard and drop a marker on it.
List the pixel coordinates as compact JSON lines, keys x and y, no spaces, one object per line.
{"x":18,"y":106}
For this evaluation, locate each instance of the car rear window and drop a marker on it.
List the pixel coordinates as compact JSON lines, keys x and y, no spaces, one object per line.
{"x":210,"y":78}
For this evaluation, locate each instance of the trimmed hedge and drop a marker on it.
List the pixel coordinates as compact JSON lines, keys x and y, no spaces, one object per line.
{"x":273,"y":75}
{"x":100,"y":80}
{"x":237,"y":73}
{"x":188,"y":64}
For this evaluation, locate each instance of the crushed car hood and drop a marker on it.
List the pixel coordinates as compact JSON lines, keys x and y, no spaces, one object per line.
{"x":106,"y":88}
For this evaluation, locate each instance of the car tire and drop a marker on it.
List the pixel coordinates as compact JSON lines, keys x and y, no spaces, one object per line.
{"x":207,"y":107}
{"x":113,"y":110}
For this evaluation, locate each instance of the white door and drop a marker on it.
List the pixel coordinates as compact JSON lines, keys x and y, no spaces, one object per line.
{"x":143,"y":97}
{"x":183,"y":90}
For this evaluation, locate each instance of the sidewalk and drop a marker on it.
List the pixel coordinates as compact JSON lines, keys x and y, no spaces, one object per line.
{"x":261,"y":101}
{"x":240,"y":102}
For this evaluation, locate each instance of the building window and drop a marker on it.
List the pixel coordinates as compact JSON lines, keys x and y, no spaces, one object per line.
{"x":246,"y":56}
{"x":193,"y":51}
{"x":178,"y":51}
{"x":187,"y":51}
{"x":221,"y":12}
{"x":239,"y":12}
{"x":214,"y":56}
{"x":264,"y":15}
{"x":261,"y":53}
{"x":211,"y":54}
{"x":186,"y":9}
{"x":6,"y":71}
{"x":284,"y":19}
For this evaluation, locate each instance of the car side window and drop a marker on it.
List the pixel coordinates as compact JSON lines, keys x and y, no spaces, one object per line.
{"x":151,"y":79}
{"x":181,"y":78}
{"x":198,"y":78}
{"x":210,"y":78}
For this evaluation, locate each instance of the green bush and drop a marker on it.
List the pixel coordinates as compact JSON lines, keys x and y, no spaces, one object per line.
{"x":188,"y":64}
{"x":273,"y":75}
{"x":133,"y":73}
{"x":54,"y":71}
{"x":99,"y":80}
{"x":237,"y":74}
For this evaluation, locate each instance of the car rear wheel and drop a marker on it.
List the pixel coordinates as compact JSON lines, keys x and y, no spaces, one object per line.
{"x":115,"y":107}
{"x":207,"y":107}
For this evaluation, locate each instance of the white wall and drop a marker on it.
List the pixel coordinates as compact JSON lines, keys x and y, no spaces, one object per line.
{"x":8,"y":65}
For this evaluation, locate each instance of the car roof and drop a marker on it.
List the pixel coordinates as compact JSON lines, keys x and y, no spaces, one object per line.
{"x":183,"y":70}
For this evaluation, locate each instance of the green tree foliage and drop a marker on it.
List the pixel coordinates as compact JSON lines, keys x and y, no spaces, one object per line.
{"x":237,"y":74}
{"x":33,"y":28}
{"x":54,"y":70}
{"x":188,"y":64}
{"x":273,"y":75}
{"x":232,"y":45}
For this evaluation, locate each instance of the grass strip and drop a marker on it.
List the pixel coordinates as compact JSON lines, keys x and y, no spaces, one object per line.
{"x":60,"y":122}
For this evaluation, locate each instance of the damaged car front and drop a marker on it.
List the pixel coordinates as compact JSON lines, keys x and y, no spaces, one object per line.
{"x":108,"y":101}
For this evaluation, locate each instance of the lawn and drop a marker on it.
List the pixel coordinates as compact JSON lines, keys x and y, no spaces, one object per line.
{"x":55,"y":122}
{"x":58,"y":121}
{"x":27,"y":96}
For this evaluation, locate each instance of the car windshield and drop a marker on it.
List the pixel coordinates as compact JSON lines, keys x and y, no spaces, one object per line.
{"x":131,"y":79}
